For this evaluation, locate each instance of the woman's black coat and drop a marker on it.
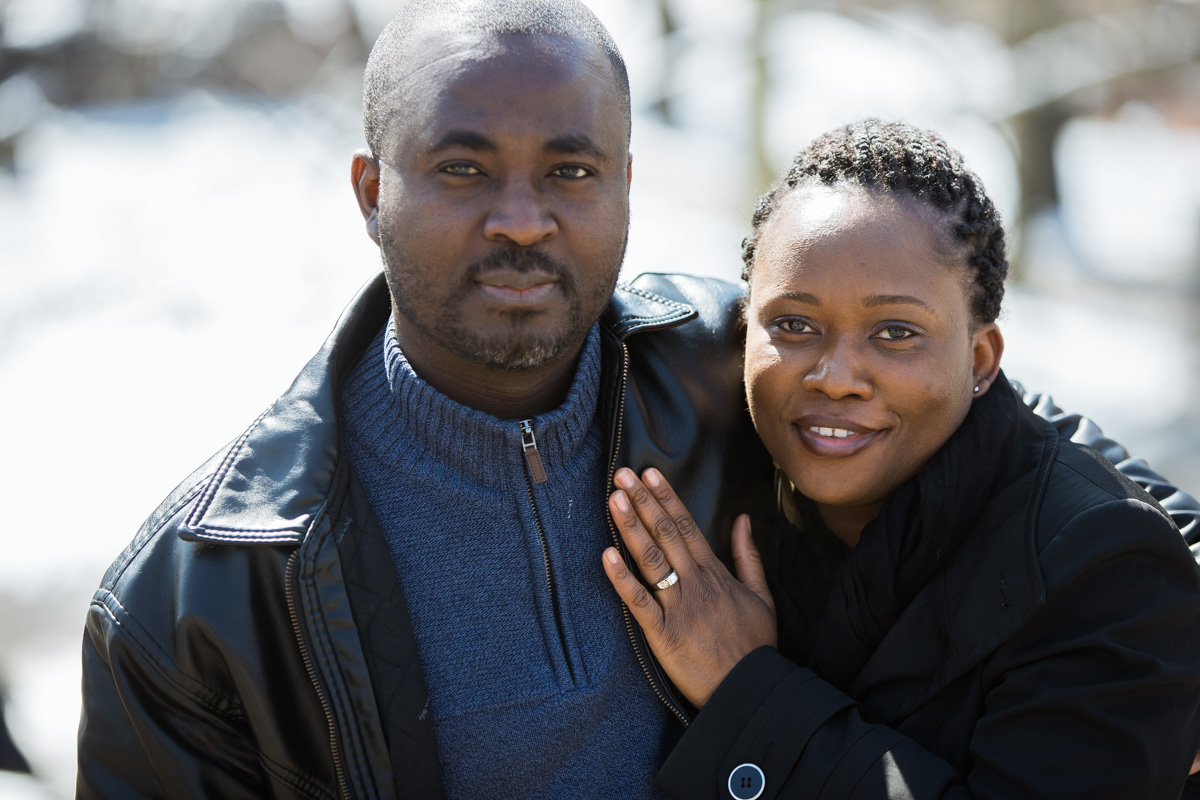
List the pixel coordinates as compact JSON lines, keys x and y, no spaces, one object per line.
{"x":1073,"y":608}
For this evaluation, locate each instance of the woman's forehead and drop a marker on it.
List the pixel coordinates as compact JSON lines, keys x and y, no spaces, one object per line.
{"x":823,"y":215}
{"x":845,"y":238}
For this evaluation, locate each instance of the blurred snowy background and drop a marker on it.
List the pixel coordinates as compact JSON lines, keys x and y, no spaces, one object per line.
{"x":178,"y":234}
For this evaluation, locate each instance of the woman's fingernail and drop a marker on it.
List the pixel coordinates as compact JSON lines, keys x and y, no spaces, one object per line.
{"x":653,"y":477}
{"x":610,"y":555}
{"x":624,"y":478}
{"x":621,"y":501}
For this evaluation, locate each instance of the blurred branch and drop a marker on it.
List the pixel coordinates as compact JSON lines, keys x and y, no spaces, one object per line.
{"x":668,"y":28}
{"x":257,"y":49}
{"x":759,"y":64}
{"x":1055,"y":63}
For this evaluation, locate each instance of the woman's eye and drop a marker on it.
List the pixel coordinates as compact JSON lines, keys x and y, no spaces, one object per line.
{"x":794,"y":325}
{"x":571,"y":171}
{"x":896,"y":333}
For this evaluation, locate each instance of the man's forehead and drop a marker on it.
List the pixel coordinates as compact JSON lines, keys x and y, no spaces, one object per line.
{"x":436,"y":55}
{"x":450,"y":79}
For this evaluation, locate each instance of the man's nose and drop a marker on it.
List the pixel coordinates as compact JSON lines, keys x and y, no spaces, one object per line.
{"x":838,"y":372}
{"x":520,"y":216}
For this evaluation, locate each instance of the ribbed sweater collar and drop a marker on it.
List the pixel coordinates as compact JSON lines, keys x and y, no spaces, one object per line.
{"x":408,"y":419}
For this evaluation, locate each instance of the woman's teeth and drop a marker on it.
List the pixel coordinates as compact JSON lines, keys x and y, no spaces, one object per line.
{"x":837,"y":433}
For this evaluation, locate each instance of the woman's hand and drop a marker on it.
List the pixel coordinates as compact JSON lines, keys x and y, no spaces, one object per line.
{"x":702,"y":624}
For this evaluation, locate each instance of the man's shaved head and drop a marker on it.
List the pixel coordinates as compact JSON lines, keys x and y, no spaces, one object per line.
{"x":387,"y":65}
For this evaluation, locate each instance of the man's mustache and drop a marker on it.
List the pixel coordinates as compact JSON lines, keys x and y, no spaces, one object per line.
{"x":520,"y":260}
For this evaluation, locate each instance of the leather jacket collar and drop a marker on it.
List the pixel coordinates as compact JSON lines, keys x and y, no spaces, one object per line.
{"x":261,"y":496}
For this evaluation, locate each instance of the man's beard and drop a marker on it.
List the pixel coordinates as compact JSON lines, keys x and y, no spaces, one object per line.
{"x":519,"y":349}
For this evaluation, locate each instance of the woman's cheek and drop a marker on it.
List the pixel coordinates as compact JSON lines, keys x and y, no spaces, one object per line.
{"x":768,"y":392}
{"x":758,"y":372}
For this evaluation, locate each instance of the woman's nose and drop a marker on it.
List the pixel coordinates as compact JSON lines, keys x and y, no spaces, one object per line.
{"x":520,"y":216}
{"x":837,"y":373}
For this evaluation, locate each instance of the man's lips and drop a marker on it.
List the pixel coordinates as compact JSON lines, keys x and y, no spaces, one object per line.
{"x":514,"y":287}
{"x":834,"y":437}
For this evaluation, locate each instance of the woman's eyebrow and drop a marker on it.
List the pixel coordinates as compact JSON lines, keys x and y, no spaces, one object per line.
{"x":802,"y":297}
{"x":896,"y":300}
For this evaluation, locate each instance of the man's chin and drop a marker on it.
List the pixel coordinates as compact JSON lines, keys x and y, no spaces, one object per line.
{"x":521,"y":353}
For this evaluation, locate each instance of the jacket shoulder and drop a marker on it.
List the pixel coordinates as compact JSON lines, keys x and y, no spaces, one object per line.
{"x":716,"y":302}
{"x":169,"y":518}
{"x":172,"y":609}
{"x":1083,"y":482}
{"x":696,"y":330}
{"x":1093,"y":520}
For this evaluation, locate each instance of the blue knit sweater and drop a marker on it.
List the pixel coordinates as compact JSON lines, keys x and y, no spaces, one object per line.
{"x":533,"y":684}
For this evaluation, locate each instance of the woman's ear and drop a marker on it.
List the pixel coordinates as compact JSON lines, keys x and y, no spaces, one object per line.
{"x":987,"y":345}
{"x":364,"y":176}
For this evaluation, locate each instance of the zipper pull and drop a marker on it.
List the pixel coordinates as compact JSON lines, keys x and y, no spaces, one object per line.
{"x":533,"y":459}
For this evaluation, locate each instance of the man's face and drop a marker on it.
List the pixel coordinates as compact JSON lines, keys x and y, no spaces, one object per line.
{"x":503,"y":198}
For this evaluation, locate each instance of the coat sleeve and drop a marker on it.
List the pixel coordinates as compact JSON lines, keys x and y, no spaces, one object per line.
{"x":1096,"y":696}
{"x":1183,"y":508}
{"x":148,"y":730}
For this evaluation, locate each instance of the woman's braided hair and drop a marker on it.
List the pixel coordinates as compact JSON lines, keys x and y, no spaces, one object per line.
{"x":900,"y":158}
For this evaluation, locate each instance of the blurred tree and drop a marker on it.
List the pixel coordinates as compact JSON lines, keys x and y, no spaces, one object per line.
{"x":1070,"y":57}
{"x":668,"y":29}
{"x":262,"y":51}
{"x":765,"y":12}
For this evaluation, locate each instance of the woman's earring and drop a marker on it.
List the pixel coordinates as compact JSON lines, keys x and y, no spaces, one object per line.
{"x":976,"y":390}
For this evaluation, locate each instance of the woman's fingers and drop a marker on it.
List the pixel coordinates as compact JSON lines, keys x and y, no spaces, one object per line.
{"x":747,"y":562}
{"x":685,"y":527}
{"x":661,"y":525}
{"x":637,"y":597}
{"x":650,"y":560}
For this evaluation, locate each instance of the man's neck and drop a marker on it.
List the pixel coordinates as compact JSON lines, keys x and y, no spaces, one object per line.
{"x":502,"y":393}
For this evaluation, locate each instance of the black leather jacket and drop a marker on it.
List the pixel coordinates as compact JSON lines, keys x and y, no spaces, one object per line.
{"x":253,"y":640}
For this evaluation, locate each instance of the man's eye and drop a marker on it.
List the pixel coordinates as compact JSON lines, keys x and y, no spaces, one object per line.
{"x":572,"y":171}
{"x":896,"y":333}
{"x":461,"y":169}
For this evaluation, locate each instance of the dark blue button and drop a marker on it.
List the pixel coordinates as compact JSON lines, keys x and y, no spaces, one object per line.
{"x":746,"y":782}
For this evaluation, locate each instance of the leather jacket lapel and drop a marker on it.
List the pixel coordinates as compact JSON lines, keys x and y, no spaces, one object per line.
{"x":276,"y":478}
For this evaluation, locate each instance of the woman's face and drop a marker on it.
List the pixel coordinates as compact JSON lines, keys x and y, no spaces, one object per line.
{"x":861,"y":355}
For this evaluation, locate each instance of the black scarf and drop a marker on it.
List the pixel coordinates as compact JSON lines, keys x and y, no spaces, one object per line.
{"x":917,"y":530}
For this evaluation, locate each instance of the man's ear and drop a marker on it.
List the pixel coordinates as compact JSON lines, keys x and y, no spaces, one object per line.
{"x":987,"y":345}
{"x":364,"y":175}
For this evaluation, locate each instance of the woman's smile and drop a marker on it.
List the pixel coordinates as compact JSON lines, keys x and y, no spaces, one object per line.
{"x":835,"y":438}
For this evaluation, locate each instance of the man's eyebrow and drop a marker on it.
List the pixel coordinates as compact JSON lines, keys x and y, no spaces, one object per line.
{"x":576,"y":144}
{"x":573,"y":144}
{"x":876,"y":300}
{"x":469,"y":140}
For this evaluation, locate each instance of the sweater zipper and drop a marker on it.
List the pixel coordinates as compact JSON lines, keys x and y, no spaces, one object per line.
{"x":533,"y":458}
{"x":335,"y":751}
{"x":620,"y":545}
{"x":536,"y":473}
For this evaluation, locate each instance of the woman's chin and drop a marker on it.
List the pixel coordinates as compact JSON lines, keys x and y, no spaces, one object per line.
{"x":846,"y":497}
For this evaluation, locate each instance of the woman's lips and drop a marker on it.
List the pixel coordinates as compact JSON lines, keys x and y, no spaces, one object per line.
{"x":834,"y":439}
